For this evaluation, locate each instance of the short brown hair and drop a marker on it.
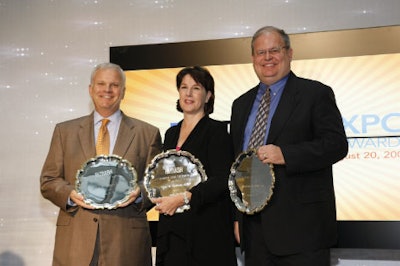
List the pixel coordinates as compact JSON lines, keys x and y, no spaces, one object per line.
{"x":202,"y":76}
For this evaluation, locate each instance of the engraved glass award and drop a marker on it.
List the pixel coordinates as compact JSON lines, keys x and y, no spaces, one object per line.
{"x":173,"y":172}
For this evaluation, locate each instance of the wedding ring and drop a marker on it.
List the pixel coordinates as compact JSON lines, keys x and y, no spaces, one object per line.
{"x":265,"y":156}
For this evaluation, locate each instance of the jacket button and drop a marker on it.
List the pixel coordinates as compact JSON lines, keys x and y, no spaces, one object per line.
{"x":95,"y":220}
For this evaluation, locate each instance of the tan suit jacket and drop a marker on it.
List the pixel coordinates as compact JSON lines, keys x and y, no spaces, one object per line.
{"x":124,"y":232}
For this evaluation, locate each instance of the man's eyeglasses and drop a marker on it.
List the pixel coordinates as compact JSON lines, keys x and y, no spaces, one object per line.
{"x":272,"y":52}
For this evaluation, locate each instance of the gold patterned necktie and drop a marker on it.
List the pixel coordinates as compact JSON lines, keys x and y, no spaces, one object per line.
{"x":259,"y":129}
{"x":103,"y":139}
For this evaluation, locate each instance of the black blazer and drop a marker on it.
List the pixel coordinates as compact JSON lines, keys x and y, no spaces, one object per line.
{"x":308,"y":127}
{"x":207,"y":228}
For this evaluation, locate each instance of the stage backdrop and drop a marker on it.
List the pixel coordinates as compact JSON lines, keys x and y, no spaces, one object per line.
{"x":365,"y":79}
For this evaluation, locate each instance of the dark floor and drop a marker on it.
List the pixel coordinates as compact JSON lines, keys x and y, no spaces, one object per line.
{"x":365,"y":257}
{"x":356,"y":257}
{"x":360,"y":257}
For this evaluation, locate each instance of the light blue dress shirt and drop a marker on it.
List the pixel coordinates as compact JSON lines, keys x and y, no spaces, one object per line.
{"x":276,"y":93}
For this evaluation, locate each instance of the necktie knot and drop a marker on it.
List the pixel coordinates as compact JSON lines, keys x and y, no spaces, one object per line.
{"x":104,"y":122}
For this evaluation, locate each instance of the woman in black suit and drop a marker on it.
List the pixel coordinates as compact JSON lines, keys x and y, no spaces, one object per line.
{"x":202,"y":235}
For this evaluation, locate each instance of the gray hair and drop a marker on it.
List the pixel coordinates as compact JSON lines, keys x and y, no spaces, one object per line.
{"x":269,"y":29}
{"x":108,"y":66}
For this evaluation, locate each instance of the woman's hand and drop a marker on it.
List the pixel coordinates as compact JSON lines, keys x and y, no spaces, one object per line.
{"x":168,"y":205}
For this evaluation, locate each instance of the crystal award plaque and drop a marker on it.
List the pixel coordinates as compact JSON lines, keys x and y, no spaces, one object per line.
{"x":106,"y":181}
{"x":173,"y":172}
{"x":251,"y":183}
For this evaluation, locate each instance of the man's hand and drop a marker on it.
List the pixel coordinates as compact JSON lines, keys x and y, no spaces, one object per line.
{"x":132,"y":197}
{"x":270,"y":154}
{"x":78,"y":200}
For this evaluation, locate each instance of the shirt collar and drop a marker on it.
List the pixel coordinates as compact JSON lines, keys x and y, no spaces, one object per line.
{"x":280,"y":84}
{"x":114,"y":117}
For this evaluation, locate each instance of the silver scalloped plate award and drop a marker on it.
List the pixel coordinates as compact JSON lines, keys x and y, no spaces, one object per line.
{"x":173,"y":172}
{"x":251,"y":183}
{"x":106,"y":181}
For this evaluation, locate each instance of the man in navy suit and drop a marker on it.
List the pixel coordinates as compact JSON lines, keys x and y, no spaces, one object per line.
{"x":304,"y":138}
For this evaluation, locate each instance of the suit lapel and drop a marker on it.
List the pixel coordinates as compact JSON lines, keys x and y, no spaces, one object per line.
{"x":86,"y":137}
{"x":285,"y":108}
{"x":125,"y":136}
{"x":244,"y":114}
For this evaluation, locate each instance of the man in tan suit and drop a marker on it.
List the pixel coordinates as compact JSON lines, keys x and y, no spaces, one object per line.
{"x":87,"y":236}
